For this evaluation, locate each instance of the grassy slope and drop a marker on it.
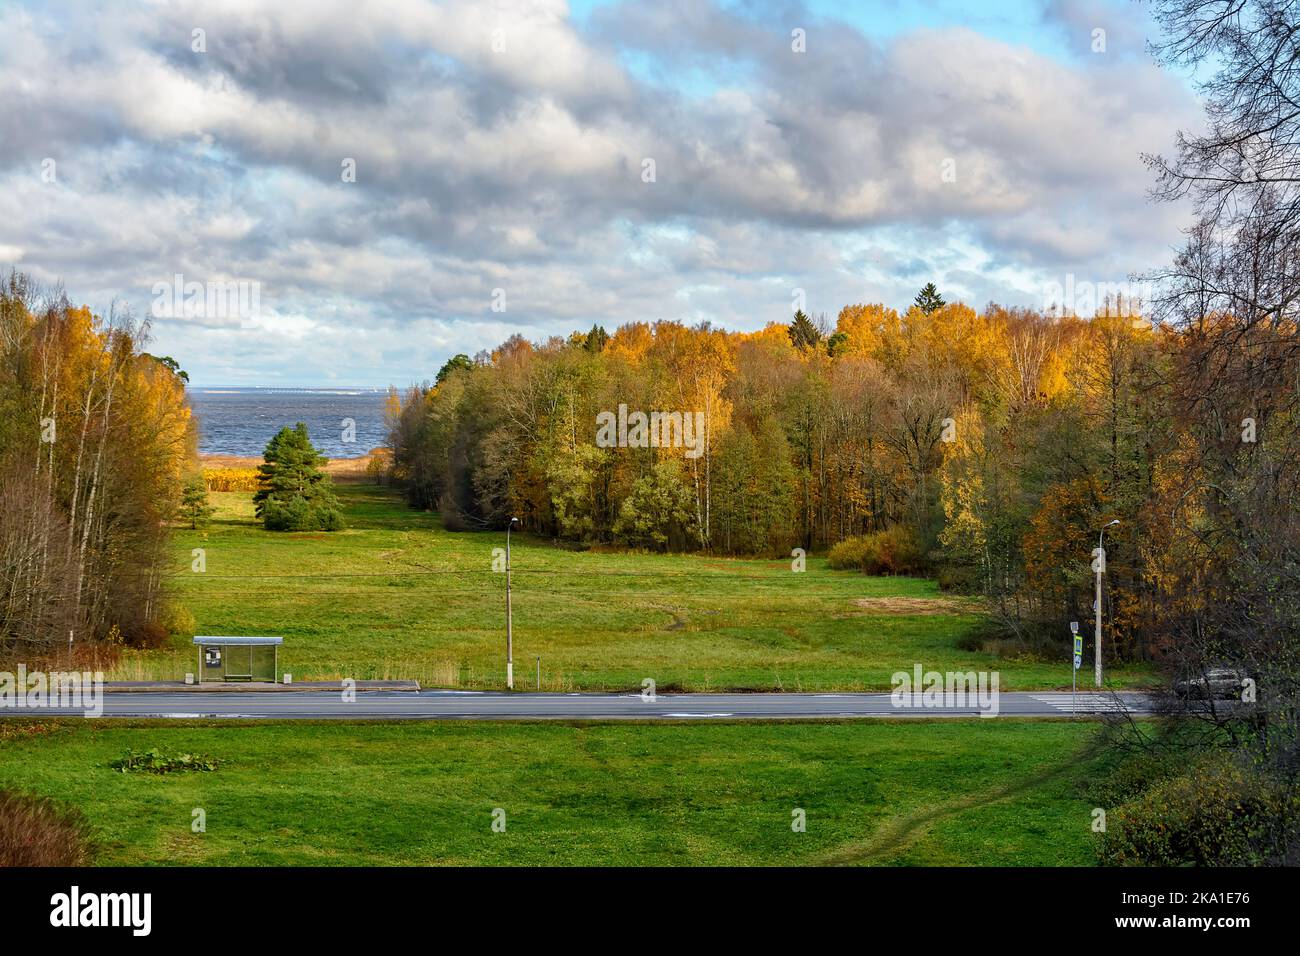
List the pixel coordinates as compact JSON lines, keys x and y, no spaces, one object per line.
{"x":916,"y":792}
{"x":397,"y":596}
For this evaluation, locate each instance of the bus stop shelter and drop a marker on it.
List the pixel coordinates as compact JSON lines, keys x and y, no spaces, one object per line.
{"x":239,"y":658}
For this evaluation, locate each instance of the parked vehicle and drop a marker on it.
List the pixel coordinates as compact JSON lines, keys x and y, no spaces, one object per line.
{"x":1218,"y":683}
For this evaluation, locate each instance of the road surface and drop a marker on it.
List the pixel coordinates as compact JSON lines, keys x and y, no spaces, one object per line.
{"x":450,"y":705}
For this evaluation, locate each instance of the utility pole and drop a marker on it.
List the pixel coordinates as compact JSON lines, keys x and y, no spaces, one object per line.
{"x":510,"y":634}
{"x":1099,"y":565}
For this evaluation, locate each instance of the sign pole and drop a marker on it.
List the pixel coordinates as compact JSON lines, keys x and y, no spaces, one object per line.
{"x":1074,"y":671}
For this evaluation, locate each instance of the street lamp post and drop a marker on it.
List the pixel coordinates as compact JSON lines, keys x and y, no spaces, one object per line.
{"x":510,"y":634}
{"x":1100,"y":565}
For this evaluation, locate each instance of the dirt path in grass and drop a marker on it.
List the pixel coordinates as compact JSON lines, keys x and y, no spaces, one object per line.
{"x":920,"y":605}
{"x":898,"y":833}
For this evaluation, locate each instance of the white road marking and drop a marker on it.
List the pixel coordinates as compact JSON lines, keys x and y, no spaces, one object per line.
{"x":1084,"y":703}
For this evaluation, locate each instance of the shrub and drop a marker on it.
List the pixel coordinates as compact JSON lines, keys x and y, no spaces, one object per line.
{"x":178,"y":620}
{"x":892,"y":551}
{"x":960,"y":580}
{"x":1130,"y":775}
{"x":300,"y":514}
{"x":453,"y":519}
{"x":155,"y":761}
{"x":980,"y":636}
{"x":1018,"y":640}
{"x":145,"y":635}
{"x":195,"y":510}
{"x":849,"y":554}
{"x":379,"y":467}
{"x":35,"y":831}
{"x":1214,"y":814}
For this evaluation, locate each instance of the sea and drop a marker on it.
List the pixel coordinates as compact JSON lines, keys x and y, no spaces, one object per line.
{"x":342,"y":422}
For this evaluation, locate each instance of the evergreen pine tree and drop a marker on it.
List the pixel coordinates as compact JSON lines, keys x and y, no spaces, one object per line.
{"x":803,"y":333}
{"x":194,"y":503}
{"x":456,"y":363}
{"x":596,"y":339}
{"x":294,"y":493}
{"x":928,"y":300}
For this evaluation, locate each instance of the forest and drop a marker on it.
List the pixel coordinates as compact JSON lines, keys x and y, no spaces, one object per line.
{"x":985,"y":447}
{"x":95,"y":440}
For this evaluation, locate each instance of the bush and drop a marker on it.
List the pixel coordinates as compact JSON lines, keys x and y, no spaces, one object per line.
{"x":379,"y":468}
{"x":299,"y":514}
{"x":145,"y":635}
{"x":1137,"y":776}
{"x":959,"y":580}
{"x":34,"y":831}
{"x":892,"y":551}
{"x":849,"y":554}
{"x":980,"y":636}
{"x":195,"y":509}
{"x":155,"y":761}
{"x":1025,"y":641}
{"x":178,"y":620}
{"x":1214,"y":814}
{"x":453,"y":519}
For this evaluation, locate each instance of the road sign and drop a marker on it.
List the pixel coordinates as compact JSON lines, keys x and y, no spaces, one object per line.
{"x":1078,"y":662}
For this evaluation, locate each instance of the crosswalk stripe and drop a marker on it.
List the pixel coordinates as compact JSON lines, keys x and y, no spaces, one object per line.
{"x":1092,"y":702}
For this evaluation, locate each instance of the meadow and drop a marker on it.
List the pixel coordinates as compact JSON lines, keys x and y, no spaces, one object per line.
{"x":968,"y":792}
{"x":395,"y":596}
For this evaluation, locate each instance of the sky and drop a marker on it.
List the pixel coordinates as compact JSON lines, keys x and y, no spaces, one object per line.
{"x":335,"y":193}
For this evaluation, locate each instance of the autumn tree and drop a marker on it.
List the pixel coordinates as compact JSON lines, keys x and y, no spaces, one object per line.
{"x":94,"y":437}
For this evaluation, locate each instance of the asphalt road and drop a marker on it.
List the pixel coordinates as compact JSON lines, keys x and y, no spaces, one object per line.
{"x":452,"y":705}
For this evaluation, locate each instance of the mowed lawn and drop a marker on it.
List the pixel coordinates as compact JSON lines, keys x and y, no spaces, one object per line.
{"x":956,"y":792}
{"x":396,"y":596}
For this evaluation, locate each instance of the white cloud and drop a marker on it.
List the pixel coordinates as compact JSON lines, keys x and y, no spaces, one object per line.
{"x":521,"y":169}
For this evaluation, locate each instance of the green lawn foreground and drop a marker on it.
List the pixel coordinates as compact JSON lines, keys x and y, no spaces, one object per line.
{"x":942,"y":792}
{"x":395,"y":596}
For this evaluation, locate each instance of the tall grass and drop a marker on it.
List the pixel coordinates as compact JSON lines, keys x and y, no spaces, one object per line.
{"x":35,"y":831}
{"x":230,"y":479}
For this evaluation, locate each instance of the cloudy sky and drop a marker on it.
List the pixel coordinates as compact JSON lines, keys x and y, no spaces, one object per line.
{"x":536,"y":167}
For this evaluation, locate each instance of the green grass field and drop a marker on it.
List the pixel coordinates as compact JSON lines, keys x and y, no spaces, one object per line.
{"x":396,"y":596}
{"x":937,"y":792}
